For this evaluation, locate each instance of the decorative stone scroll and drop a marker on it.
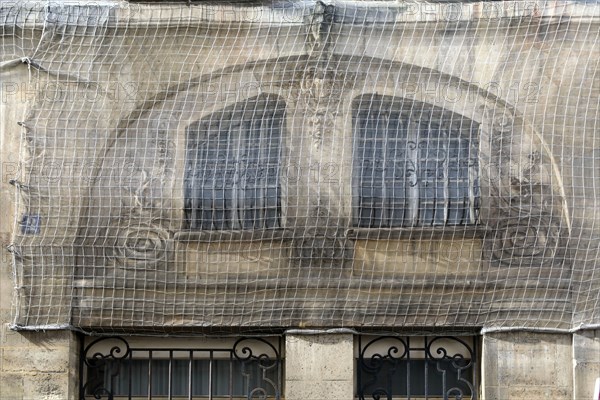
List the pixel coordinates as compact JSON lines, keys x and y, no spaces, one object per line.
{"x":315,"y":93}
{"x":525,"y":213}
{"x":318,"y":29}
{"x":140,"y":245}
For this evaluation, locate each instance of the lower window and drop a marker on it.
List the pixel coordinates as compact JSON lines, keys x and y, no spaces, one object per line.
{"x":394,"y":367}
{"x":248,"y":368}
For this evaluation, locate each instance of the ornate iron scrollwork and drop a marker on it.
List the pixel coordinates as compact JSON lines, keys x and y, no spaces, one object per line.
{"x":390,"y":367}
{"x":111,"y":367}
{"x":97,"y":363}
{"x":374,"y":365}
{"x":456,"y":363}
{"x":268,"y":361}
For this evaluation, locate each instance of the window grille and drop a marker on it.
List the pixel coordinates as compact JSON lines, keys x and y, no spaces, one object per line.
{"x":414,"y":165}
{"x":392,"y":367}
{"x":250,"y":368}
{"x":232,"y":167}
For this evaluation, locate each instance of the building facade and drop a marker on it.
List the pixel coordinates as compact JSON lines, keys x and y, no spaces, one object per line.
{"x":300,"y":200}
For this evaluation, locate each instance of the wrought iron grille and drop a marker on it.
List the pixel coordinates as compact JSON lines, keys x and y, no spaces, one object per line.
{"x":391,"y":367}
{"x":414,"y":165}
{"x":112,"y":369}
{"x":232,"y":167}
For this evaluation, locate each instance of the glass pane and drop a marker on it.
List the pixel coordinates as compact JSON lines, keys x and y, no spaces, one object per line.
{"x":401,"y":378}
{"x":413,"y":169}
{"x":232,"y":161}
{"x":229,"y":377}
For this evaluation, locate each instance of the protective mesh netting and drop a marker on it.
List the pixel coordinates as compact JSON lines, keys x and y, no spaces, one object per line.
{"x":304,"y":164}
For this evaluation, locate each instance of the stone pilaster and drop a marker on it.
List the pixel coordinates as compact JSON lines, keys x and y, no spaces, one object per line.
{"x":319,"y":367}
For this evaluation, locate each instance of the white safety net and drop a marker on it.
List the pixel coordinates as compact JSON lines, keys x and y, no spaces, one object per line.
{"x":267,"y":165}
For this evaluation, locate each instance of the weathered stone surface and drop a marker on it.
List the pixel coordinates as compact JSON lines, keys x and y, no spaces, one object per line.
{"x":12,"y":386}
{"x":46,"y":386}
{"x":539,"y":195}
{"x":586,"y":360}
{"x":311,"y":390}
{"x":33,"y":360}
{"x":521,"y":365}
{"x":33,"y":365}
{"x":318,"y":365}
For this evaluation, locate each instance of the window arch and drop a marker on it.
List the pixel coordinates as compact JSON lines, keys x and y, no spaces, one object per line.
{"x":414,"y":164}
{"x":232,"y":167}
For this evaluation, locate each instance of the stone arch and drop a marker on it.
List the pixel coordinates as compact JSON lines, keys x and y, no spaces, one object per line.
{"x":523,"y":203}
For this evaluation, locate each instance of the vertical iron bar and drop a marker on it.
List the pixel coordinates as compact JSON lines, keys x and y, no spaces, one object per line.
{"x":149,"y":374}
{"x":237,"y":221}
{"x":408,"y":391}
{"x":262,"y":161}
{"x":170,"y":374}
{"x":279,"y":369}
{"x":210,"y":376}
{"x":446,"y":148}
{"x":231,"y":375}
{"x":82,"y":360}
{"x":190,"y":364}
{"x":475,"y":366}
{"x":130,"y":377}
{"x":413,"y":197}
{"x":472,"y":175}
{"x":359,"y":366}
{"x":196,"y":185}
{"x":386,"y":205}
{"x":426,"y":368}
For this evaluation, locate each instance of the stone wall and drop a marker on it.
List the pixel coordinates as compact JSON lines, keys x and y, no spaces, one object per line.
{"x":33,"y":365}
{"x":527,"y":366}
{"x":548,"y":80}
{"x":119,"y":132}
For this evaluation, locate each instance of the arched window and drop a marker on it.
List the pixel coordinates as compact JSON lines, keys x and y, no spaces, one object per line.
{"x":232,"y":167}
{"x":414,"y":165}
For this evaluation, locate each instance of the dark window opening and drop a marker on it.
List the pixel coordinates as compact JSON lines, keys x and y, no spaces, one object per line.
{"x":232,"y":167}
{"x":414,"y":165}
{"x":209,"y":378}
{"x":417,"y":367}
{"x":248,"y":368}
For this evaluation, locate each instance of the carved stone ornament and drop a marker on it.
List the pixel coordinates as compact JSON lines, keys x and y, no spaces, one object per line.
{"x":522,"y":201}
{"x":320,"y":125}
{"x":318,"y":29}
{"x":140,"y":245}
{"x":319,"y":92}
{"x":141,"y":241}
{"x":516,"y":243}
{"x":525,"y":216}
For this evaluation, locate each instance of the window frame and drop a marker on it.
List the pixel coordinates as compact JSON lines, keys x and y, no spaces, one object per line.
{"x":412,"y":109}
{"x":261,"y":105}
{"x":109,"y":357}
{"x":458,"y":354}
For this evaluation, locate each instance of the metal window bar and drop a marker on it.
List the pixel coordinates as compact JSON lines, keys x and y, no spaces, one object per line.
{"x":413,"y":168}
{"x":232,"y":167}
{"x":252,"y":368}
{"x":393,"y":367}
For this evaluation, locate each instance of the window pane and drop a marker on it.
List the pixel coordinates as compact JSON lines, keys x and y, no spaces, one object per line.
{"x":416,"y":377}
{"x":229,"y":377}
{"x":232,"y":167}
{"x":413,"y":168}
{"x":417,"y":367}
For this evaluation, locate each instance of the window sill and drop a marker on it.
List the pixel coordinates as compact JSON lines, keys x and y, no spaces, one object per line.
{"x":414,"y":233}
{"x":420,"y":233}
{"x":224,"y":236}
